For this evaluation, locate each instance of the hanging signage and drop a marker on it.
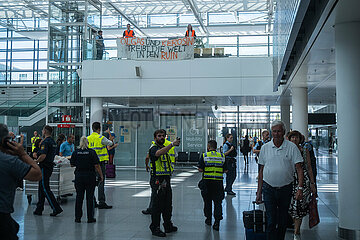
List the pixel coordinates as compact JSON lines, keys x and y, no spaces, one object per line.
{"x":159,"y":50}
{"x":66,"y":125}
{"x":66,"y":118}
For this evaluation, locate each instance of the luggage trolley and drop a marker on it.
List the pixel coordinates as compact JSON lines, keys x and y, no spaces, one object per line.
{"x":61,"y":183}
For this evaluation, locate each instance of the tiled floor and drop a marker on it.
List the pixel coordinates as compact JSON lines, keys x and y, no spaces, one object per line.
{"x":129,"y":193}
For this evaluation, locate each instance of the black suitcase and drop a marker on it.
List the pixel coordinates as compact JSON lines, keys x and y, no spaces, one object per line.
{"x":254,"y":223}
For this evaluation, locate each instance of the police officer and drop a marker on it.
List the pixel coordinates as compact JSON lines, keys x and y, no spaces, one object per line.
{"x":86,"y":162}
{"x":212,"y":165}
{"x":230,"y":153}
{"x":98,"y":143}
{"x":46,"y":162}
{"x":161,"y":171}
{"x":148,"y":168}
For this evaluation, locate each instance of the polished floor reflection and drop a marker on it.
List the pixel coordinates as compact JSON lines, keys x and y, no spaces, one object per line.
{"x":129,"y":194}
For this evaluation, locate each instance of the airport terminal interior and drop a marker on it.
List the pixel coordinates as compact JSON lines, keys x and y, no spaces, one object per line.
{"x":199,"y":69}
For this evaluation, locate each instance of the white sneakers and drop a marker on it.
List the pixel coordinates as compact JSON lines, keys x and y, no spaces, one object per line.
{"x":297,"y":237}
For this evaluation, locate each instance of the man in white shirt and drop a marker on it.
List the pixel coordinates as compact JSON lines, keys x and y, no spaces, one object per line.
{"x":278,"y":160}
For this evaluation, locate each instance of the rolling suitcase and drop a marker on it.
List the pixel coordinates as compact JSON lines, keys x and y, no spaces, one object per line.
{"x":254,"y":223}
{"x":110,"y":171}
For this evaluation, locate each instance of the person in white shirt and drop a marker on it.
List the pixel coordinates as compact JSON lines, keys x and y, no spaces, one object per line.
{"x":278,"y":161}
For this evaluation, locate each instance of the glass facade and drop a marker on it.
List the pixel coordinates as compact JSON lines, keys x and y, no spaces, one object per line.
{"x":135,"y":137}
{"x":22,"y":59}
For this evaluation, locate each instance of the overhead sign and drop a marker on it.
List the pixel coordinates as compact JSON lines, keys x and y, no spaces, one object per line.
{"x":66,"y":125}
{"x":160,"y":50}
{"x":66,"y":118}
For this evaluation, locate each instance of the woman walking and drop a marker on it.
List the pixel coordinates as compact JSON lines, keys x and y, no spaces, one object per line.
{"x":86,"y":162}
{"x":300,"y":208}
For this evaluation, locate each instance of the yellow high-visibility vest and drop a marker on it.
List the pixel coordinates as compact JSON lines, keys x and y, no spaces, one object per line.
{"x":214,"y":162}
{"x":33,"y":140}
{"x":95,"y":143}
{"x":162,"y":164}
{"x":171,"y":153}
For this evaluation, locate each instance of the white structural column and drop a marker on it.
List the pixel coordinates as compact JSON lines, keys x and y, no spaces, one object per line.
{"x":300,"y":110}
{"x":96,"y":110}
{"x":347,"y":50}
{"x":285,"y":113}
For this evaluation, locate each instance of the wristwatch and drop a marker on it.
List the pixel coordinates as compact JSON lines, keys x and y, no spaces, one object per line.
{"x":300,"y":188}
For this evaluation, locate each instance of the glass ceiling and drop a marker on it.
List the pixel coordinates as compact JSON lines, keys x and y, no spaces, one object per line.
{"x":209,"y":17}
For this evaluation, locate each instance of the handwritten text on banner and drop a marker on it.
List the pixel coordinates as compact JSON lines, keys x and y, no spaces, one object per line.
{"x":161,"y":50}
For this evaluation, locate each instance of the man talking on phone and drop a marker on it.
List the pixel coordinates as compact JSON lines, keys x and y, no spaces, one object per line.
{"x":15,"y":165}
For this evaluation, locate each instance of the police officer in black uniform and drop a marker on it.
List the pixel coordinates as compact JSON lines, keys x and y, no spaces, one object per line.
{"x":46,"y":162}
{"x":86,"y":162}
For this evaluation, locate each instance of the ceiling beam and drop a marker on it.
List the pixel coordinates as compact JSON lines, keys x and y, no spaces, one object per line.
{"x":126,"y":17}
{"x":270,"y":5}
{"x":39,"y":11}
{"x":196,"y":13}
{"x":7,"y":25}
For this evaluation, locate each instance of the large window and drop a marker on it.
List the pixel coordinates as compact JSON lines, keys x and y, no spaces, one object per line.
{"x":22,"y":60}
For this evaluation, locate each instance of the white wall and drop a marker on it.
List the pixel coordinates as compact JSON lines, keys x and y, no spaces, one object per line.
{"x":245,"y":76}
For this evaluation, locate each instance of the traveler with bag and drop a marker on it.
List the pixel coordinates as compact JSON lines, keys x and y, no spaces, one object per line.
{"x":110,"y":168}
{"x":279,"y":159}
{"x":299,"y":208}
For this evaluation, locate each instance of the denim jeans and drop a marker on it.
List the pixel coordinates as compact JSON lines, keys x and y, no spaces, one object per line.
{"x":277,"y":202}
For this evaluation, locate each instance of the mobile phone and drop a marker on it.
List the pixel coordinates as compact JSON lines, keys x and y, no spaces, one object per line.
{"x":5,"y":141}
{"x":177,"y":138}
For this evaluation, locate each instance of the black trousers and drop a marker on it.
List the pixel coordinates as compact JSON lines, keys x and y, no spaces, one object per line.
{"x":99,"y":54}
{"x":151,"y":182}
{"x":277,"y":202}
{"x":231,"y":174}
{"x":44,"y":191}
{"x":85,"y":183}
{"x":8,"y":227}
{"x":162,"y":202}
{"x":214,"y":193}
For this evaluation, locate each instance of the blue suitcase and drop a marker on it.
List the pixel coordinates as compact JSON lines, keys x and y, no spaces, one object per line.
{"x":254,"y":224}
{"x":251,"y":235}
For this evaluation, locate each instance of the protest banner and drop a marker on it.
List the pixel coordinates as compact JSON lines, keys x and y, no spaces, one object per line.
{"x":159,"y":50}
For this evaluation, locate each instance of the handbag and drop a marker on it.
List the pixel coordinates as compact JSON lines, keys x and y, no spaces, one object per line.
{"x":314,"y":218}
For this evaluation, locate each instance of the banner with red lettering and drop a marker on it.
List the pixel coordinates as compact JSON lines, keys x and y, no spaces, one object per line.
{"x":159,"y":50}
